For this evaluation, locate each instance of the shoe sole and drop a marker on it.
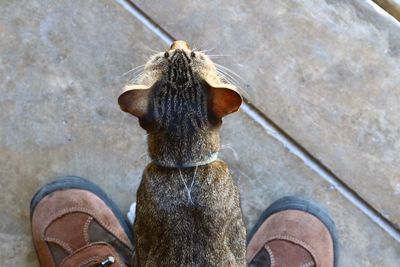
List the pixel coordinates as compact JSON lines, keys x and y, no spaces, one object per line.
{"x":296,"y":203}
{"x":74,"y":182}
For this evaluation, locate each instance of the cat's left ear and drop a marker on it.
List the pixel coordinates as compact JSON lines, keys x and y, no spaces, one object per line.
{"x":223,"y":99}
{"x":135,"y":100}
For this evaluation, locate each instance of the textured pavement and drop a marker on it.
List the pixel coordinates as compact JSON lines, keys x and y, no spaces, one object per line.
{"x":326,"y":73}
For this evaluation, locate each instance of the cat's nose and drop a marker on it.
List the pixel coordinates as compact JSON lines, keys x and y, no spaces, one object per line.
{"x":180,"y":45}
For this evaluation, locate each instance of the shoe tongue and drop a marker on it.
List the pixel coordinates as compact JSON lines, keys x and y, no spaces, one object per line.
{"x":286,"y":253}
{"x":94,"y":255}
{"x":262,"y":259}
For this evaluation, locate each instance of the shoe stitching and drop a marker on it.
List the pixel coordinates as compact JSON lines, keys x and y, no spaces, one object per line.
{"x":94,"y":258}
{"x":59,"y":242}
{"x":62,"y":212}
{"x":86,"y":229}
{"x":271,"y":255}
{"x":308,"y":264}
{"x":107,"y":226}
{"x":302,"y":243}
{"x":109,"y":250}
{"x":98,"y":258}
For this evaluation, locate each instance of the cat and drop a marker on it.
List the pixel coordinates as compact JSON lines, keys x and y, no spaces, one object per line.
{"x":188,"y":211}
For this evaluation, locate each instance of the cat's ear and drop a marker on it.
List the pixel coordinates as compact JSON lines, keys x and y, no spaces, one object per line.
{"x":135,"y":100}
{"x":223,"y":99}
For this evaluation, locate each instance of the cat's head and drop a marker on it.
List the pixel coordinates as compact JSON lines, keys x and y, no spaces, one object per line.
{"x":179,"y":97}
{"x":179,"y":67}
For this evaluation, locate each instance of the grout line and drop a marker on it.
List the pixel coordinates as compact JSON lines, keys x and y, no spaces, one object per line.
{"x":276,"y":132}
{"x":315,"y":165}
{"x":146,"y":20}
{"x":383,"y":11}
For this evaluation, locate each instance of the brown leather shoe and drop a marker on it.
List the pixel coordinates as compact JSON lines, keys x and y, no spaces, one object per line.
{"x":293,"y":232}
{"x":74,"y":223}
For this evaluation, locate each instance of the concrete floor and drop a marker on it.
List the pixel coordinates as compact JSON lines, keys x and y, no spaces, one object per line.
{"x":326,"y":73}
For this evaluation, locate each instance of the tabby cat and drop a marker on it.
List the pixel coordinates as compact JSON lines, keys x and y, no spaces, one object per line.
{"x":188,"y":211}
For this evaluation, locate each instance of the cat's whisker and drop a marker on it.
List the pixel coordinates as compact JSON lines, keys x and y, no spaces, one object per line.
{"x":145,"y":157}
{"x":133,"y":69}
{"x":191,"y":185}
{"x":244,"y":174}
{"x":229,"y":70}
{"x":136,"y":77}
{"x":189,"y":191}
{"x":229,"y":81}
{"x":135,"y":72}
{"x":214,"y":56}
{"x":235,"y":154}
{"x":199,"y":44}
{"x":225,"y":72}
{"x":228,"y":78}
{"x":152,"y":50}
{"x":205,"y":51}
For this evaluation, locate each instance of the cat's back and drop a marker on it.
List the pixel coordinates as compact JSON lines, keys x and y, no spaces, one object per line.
{"x":185,"y":188}
{"x":185,"y":211}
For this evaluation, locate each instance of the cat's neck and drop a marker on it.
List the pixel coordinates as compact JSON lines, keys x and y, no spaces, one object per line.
{"x":188,"y":164}
{"x":198,"y":149}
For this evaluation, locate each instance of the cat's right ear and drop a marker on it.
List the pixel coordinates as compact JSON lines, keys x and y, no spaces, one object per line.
{"x":223,"y":99}
{"x":135,"y":100}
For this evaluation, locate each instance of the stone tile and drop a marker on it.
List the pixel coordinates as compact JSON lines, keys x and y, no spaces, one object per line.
{"x":327,"y":72}
{"x":60,"y":74}
{"x":265,"y":171}
{"x":61,"y":70}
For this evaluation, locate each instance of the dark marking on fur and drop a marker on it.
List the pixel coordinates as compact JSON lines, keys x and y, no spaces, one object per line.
{"x":188,"y":212}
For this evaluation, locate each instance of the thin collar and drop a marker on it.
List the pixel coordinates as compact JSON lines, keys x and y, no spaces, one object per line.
{"x":212,"y":158}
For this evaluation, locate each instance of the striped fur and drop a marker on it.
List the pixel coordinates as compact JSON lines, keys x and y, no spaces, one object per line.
{"x":179,"y":100}
{"x":184,"y":133}
{"x":185,"y":216}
